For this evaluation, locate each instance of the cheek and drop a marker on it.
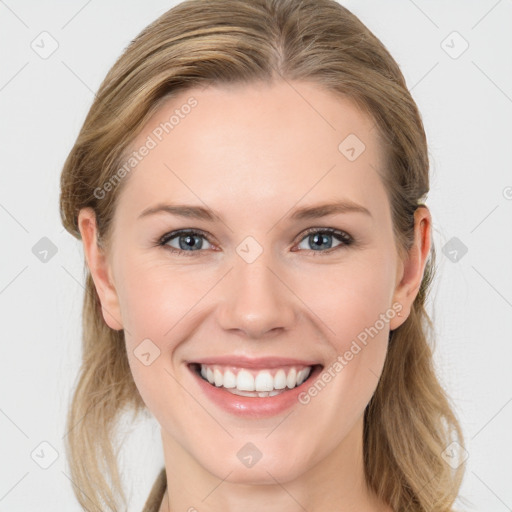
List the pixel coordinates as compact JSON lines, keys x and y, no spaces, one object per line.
{"x":155,"y":297}
{"x":155,"y":302}
{"x":154,"y":305}
{"x":355,"y":306}
{"x":350,"y":298}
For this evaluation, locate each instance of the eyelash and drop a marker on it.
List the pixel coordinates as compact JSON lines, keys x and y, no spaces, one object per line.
{"x":341,"y":236}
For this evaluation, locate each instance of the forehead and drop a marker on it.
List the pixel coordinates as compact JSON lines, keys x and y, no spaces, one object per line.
{"x":257,"y":146}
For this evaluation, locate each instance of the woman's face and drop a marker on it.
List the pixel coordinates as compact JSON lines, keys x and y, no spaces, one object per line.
{"x":272,"y":285}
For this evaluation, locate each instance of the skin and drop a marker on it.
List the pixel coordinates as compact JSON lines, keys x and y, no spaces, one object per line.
{"x":255,"y":153}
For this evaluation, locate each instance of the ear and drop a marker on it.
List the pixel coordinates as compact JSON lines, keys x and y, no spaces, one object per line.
{"x":99,"y":267}
{"x":410,"y":272}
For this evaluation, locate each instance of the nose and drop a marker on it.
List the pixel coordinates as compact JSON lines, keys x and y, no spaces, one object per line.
{"x":257,"y":301}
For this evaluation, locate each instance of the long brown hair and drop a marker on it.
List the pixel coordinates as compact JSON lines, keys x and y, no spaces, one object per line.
{"x":409,"y":421}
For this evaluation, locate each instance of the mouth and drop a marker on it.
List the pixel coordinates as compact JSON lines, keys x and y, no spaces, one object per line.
{"x":255,"y":383}
{"x":253,"y":388}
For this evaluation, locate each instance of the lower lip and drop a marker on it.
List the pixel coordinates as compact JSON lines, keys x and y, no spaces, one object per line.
{"x":255,"y":407}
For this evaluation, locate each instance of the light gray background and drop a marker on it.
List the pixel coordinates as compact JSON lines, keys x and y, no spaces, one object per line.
{"x":466,"y":103}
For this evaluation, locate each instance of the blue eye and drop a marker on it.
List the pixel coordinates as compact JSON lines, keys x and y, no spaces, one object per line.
{"x":320,"y":239}
{"x":187,"y":241}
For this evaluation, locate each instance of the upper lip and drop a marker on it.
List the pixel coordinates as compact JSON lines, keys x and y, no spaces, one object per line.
{"x":254,"y":362}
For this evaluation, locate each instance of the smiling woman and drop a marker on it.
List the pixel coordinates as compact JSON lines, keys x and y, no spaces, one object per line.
{"x":257,"y":278}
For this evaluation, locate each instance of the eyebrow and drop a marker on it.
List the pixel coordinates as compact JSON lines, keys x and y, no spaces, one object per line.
{"x":304,"y":213}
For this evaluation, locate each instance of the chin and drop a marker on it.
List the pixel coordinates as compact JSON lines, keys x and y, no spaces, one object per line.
{"x":253,"y":463}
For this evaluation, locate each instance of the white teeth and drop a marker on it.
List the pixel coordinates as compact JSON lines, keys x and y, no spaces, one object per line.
{"x":260,"y":394}
{"x":229,"y":380}
{"x":302,"y":375}
{"x":280,"y":380}
{"x":291,"y":380}
{"x":219,"y":379}
{"x":245,"y":381}
{"x":235,"y":391}
{"x":255,"y":383}
{"x":264,"y":382}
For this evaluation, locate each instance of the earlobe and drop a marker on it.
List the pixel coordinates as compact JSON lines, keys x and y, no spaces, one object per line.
{"x":98,"y":265}
{"x":409,"y":280}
